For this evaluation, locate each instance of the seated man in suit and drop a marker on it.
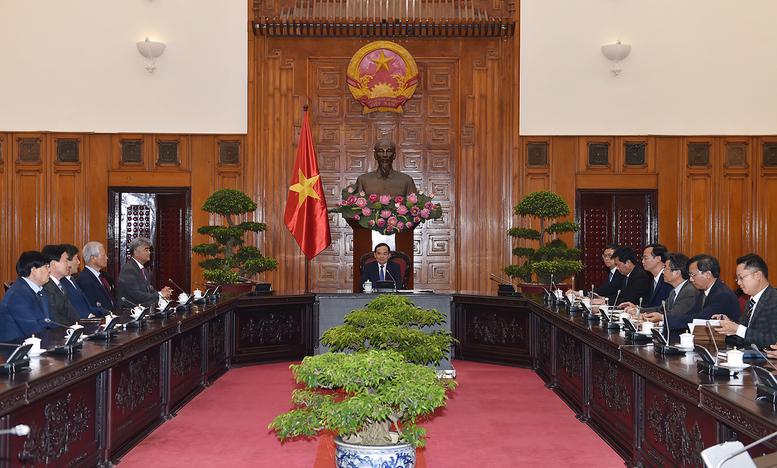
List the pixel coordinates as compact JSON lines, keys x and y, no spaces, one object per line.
{"x":636,"y":282}
{"x":681,"y":302}
{"x":74,"y":294}
{"x":382,"y":269}
{"x":25,"y":306}
{"x":612,"y":283}
{"x":135,"y":279}
{"x":717,"y":298}
{"x":654,"y":258}
{"x":759,"y":324}
{"x":60,"y":308}
{"x":92,"y":280}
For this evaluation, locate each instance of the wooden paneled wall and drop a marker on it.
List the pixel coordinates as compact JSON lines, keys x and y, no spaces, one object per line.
{"x":715,"y":193}
{"x":55,"y":185}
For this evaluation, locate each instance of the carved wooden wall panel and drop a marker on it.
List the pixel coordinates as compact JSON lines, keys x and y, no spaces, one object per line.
{"x":441,"y":139}
{"x":611,"y":402}
{"x":569,"y":369}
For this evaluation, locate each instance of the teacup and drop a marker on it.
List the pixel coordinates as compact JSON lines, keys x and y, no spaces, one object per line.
{"x":686,"y":340}
{"x":645,"y":327}
{"x":367,"y":286}
{"x":183,"y":297}
{"x":735,"y":357}
{"x":197,"y":294}
{"x":35,"y":342}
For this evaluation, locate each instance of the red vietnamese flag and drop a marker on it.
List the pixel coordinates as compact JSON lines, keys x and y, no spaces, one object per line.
{"x":305,"y":214}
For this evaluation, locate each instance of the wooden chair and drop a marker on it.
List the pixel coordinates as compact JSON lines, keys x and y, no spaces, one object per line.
{"x":401,"y":259}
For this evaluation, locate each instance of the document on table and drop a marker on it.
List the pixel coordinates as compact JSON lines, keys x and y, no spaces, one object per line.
{"x":703,"y":323}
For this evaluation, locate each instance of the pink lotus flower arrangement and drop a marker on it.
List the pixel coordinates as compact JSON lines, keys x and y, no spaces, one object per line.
{"x":387,"y":214}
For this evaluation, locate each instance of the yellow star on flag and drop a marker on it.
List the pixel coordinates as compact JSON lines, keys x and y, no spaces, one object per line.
{"x":382,"y":62}
{"x":304,"y":187}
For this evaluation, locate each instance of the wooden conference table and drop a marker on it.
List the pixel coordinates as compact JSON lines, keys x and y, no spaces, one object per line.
{"x":91,"y":408}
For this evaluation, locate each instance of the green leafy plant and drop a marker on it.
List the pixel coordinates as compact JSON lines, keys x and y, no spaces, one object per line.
{"x":392,"y":322}
{"x":228,"y":259}
{"x":550,"y":258}
{"x":373,"y":397}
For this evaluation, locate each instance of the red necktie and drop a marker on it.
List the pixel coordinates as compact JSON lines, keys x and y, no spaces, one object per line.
{"x":105,"y":283}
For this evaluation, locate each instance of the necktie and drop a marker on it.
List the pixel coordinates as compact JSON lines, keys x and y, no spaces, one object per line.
{"x":62,"y":289}
{"x":670,"y":300}
{"x":609,"y":277}
{"x":748,"y":312}
{"x":382,"y":274}
{"x":105,"y":283}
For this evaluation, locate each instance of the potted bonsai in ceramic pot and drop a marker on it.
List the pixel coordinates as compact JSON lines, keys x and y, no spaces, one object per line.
{"x":393,"y":322}
{"x":552,"y":256}
{"x":371,"y":400}
{"x":229,"y":262}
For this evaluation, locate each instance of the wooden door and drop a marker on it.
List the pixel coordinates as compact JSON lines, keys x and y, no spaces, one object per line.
{"x":626,"y":218}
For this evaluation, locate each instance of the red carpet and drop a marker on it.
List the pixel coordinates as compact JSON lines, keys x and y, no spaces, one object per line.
{"x":498,"y":417}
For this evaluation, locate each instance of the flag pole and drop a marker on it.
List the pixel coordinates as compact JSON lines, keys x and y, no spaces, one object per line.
{"x":307,"y":260}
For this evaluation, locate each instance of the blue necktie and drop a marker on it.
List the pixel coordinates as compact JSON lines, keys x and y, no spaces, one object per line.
{"x":382,"y":274}
{"x":609,"y":280}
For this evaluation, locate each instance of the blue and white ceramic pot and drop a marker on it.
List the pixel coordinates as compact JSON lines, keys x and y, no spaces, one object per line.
{"x":374,"y":456}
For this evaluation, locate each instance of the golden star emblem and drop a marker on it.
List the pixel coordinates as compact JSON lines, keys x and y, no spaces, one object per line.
{"x":382,"y":62}
{"x":304,"y":187}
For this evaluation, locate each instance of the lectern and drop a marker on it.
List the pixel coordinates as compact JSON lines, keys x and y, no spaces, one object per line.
{"x":362,"y":243}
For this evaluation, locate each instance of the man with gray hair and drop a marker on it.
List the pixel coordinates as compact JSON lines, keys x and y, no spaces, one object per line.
{"x":135,"y":282}
{"x":92,"y":280}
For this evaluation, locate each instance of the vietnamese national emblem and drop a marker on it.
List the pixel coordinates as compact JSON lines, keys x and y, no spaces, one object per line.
{"x":382,"y":76}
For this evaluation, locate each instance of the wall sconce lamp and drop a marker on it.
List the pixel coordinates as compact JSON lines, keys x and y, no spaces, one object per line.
{"x":616,"y":52}
{"x":151,"y":50}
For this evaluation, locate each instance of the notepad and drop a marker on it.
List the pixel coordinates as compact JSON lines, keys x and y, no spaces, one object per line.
{"x":703,"y":323}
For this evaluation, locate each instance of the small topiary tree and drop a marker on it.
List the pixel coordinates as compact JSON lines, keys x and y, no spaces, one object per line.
{"x":229,"y":260}
{"x":369,"y":398}
{"x":550,"y":258}
{"x":392,"y":322}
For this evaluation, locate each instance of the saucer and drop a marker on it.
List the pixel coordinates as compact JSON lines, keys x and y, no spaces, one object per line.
{"x":734,"y":368}
{"x":684,"y":348}
{"x":645,"y":333}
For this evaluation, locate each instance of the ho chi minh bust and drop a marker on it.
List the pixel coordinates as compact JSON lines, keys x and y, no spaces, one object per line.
{"x":385,"y":180}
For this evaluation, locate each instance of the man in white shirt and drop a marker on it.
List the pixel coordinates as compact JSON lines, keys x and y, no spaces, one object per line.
{"x":135,"y":282}
{"x":759,"y":322}
{"x":681,"y":302}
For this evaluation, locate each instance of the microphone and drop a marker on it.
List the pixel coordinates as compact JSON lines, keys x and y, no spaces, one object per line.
{"x":18,"y":430}
{"x":756,"y":349}
{"x":593,"y":294}
{"x":102,"y":309}
{"x":710,"y":454}
{"x":48,"y":320}
{"x":129,"y":302}
{"x":712,"y":338}
{"x":666,"y":322}
{"x":615,"y":302}
{"x":15,"y":345}
{"x":392,"y":277}
{"x":176,"y":285}
{"x":551,"y":284}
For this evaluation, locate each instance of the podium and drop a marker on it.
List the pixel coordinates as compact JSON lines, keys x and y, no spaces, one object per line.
{"x":362,"y":243}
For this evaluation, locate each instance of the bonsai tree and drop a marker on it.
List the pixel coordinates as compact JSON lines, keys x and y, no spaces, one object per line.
{"x":392,"y":322}
{"x":551,"y":257}
{"x":229,"y":261}
{"x":373,"y":397}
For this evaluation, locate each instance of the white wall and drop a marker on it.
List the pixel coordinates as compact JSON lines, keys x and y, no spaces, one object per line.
{"x":72,"y":65}
{"x":696,"y":67}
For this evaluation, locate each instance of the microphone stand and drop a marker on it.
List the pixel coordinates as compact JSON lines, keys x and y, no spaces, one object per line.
{"x":17,"y":430}
{"x":714,"y":368}
{"x":710,"y":454}
{"x":392,"y":277}
{"x":765,"y":389}
{"x":666,"y":349}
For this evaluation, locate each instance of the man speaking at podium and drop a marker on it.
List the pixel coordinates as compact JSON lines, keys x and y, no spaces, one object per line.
{"x":382,"y":269}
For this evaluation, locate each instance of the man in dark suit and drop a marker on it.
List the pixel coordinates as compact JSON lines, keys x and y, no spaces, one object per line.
{"x":636,"y":282}
{"x":96,"y":288}
{"x":759,"y":323}
{"x":60,"y":308}
{"x":654,"y":257}
{"x":681,"y":302}
{"x":25,"y":306}
{"x":381,"y":269}
{"x":612,"y":283}
{"x":716,"y":297}
{"x":135,"y":283}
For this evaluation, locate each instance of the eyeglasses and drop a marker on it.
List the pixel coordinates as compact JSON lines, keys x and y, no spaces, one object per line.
{"x":605,"y":256}
{"x":739,"y":279}
{"x":694,"y":273}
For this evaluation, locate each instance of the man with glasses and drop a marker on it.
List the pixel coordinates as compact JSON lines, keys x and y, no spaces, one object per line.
{"x":759,"y":323}
{"x":681,"y":302}
{"x":612,"y":283}
{"x":25,"y":306}
{"x":717,"y":298}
